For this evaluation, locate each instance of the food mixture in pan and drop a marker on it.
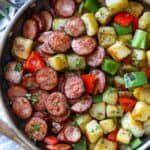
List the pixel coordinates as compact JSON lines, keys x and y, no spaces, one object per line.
{"x":80,"y":75}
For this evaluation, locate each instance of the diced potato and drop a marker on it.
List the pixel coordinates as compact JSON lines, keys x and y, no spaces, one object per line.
{"x":135,"y":8}
{"x":76,"y":62}
{"x":97,"y":111}
{"x":58,"y":62}
{"x":147,"y":127}
{"x":139,"y":57}
{"x":119,"y":82}
{"x":116,"y":6}
{"x":128,"y":68}
{"x":124,"y":136}
{"x":142,"y":94}
{"x":148,"y":57}
{"x":141,"y":111}
{"x":114,"y":111}
{"x":82,"y":120}
{"x":104,"y":144}
{"x":90,"y":23}
{"x":144,"y":22}
{"x":119,"y":51}
{"x":103,"y":15}
{"x":130,"y":124}
{"x":91,"y":146}
{"x":106,"y":36}
{"x":58,"y":23}
{"x":108,"y":125}
{"x":125,"y":38}
{"x":110,"y":96}
{"x":93,"y":131}
{"x":22,"y":47}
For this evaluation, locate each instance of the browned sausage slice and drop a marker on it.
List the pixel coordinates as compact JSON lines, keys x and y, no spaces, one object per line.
{"x":61,"y":119}
{"x":44,"y":36}
{"x":41,"y":97}
{"x":16,"y":91}
{"x":59,"y":147}
{"x":96,"y":58}
{"x":30,"y":29}
{"x":74,"y":26}
{"x":14,"y":72}
{"x":29,"y":82}
{"x":74,"y":87}
{"x":56,"y":104}
{"x":22,"y":108}
{"x":83,"y":105}
{"x":36,"y":128}
{"x":65,"y":8}
{"x":84,"y":45}
{"x":40,"y":22}
{"x":47,"y":78}
{"x":59,"y":41}
{"x":72,"y":134}
{"x":101,"y":81}
{"x":47,"y":17}
{"x":46,"y":48}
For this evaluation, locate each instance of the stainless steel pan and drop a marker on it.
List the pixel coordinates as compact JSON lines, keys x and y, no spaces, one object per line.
{"x":13,"y":30}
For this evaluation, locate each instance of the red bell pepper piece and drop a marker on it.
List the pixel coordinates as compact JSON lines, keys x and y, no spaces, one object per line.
{"x":34,"y":63}
{"x":127,"y":60}
{"x":123,"y":19}
{"x":147,"y":72}
{"x":112,"y":136}
{"x":89,"y":81}
{"x":51,"y":140}
{"x":127,"y":103}
{"x":135,"y":24}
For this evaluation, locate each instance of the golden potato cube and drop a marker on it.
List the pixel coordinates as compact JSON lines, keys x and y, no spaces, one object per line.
{"x":119,"y":51}
{"x":124,"y":136}
{"x":125,"y":38}
{"x":93,"y":131}
{"x":141,"y":111}
{"x":147,"y":127}
{"x":144,"y":22}
{"x":104,"y":144}
{"x":148,"y":57}
{"x":108,"y":125}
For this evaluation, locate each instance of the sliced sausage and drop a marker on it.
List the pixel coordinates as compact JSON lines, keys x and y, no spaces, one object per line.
{"x":46,"y":48}
{"x":74,"y":87}
{"x":61,"y":119}
{"x":14,"y":72}
{"x":84,"y":45}
{"x":61,"y":136}
{"x":83,"y":105}
{"x":44,"y":36}
{"x":41,"y":97}
{"x":59,"y":147}
{"x":72,"y":134}
{"x":56,"y":127}
{"x":96,"y":58}
{"x":22,"y":107}
{"x":29,"y":82}
{"x":47,"y":17}
{"x":74,"y":27}
{"x":40,"y":22}
{"x":47,"y":78}
{"x":56,"y":104}
{"x":101,"y":81}
{"x":59,"y":41}
{"x":36,"y":128}
{"x":64,"y":8}
{"x":30,"y":29}
{"x":16,"y":91}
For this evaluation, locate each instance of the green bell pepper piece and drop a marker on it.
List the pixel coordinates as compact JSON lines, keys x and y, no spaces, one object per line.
{"x":122,"y":30}
{"x":140,"y":39}
{"x":92,"y":5}
{"x":82,"y":145}
{"x":135,"y":79}
{"x":97,"y":99}
{"x":110,"y":66}
{"x":136,"y":143}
